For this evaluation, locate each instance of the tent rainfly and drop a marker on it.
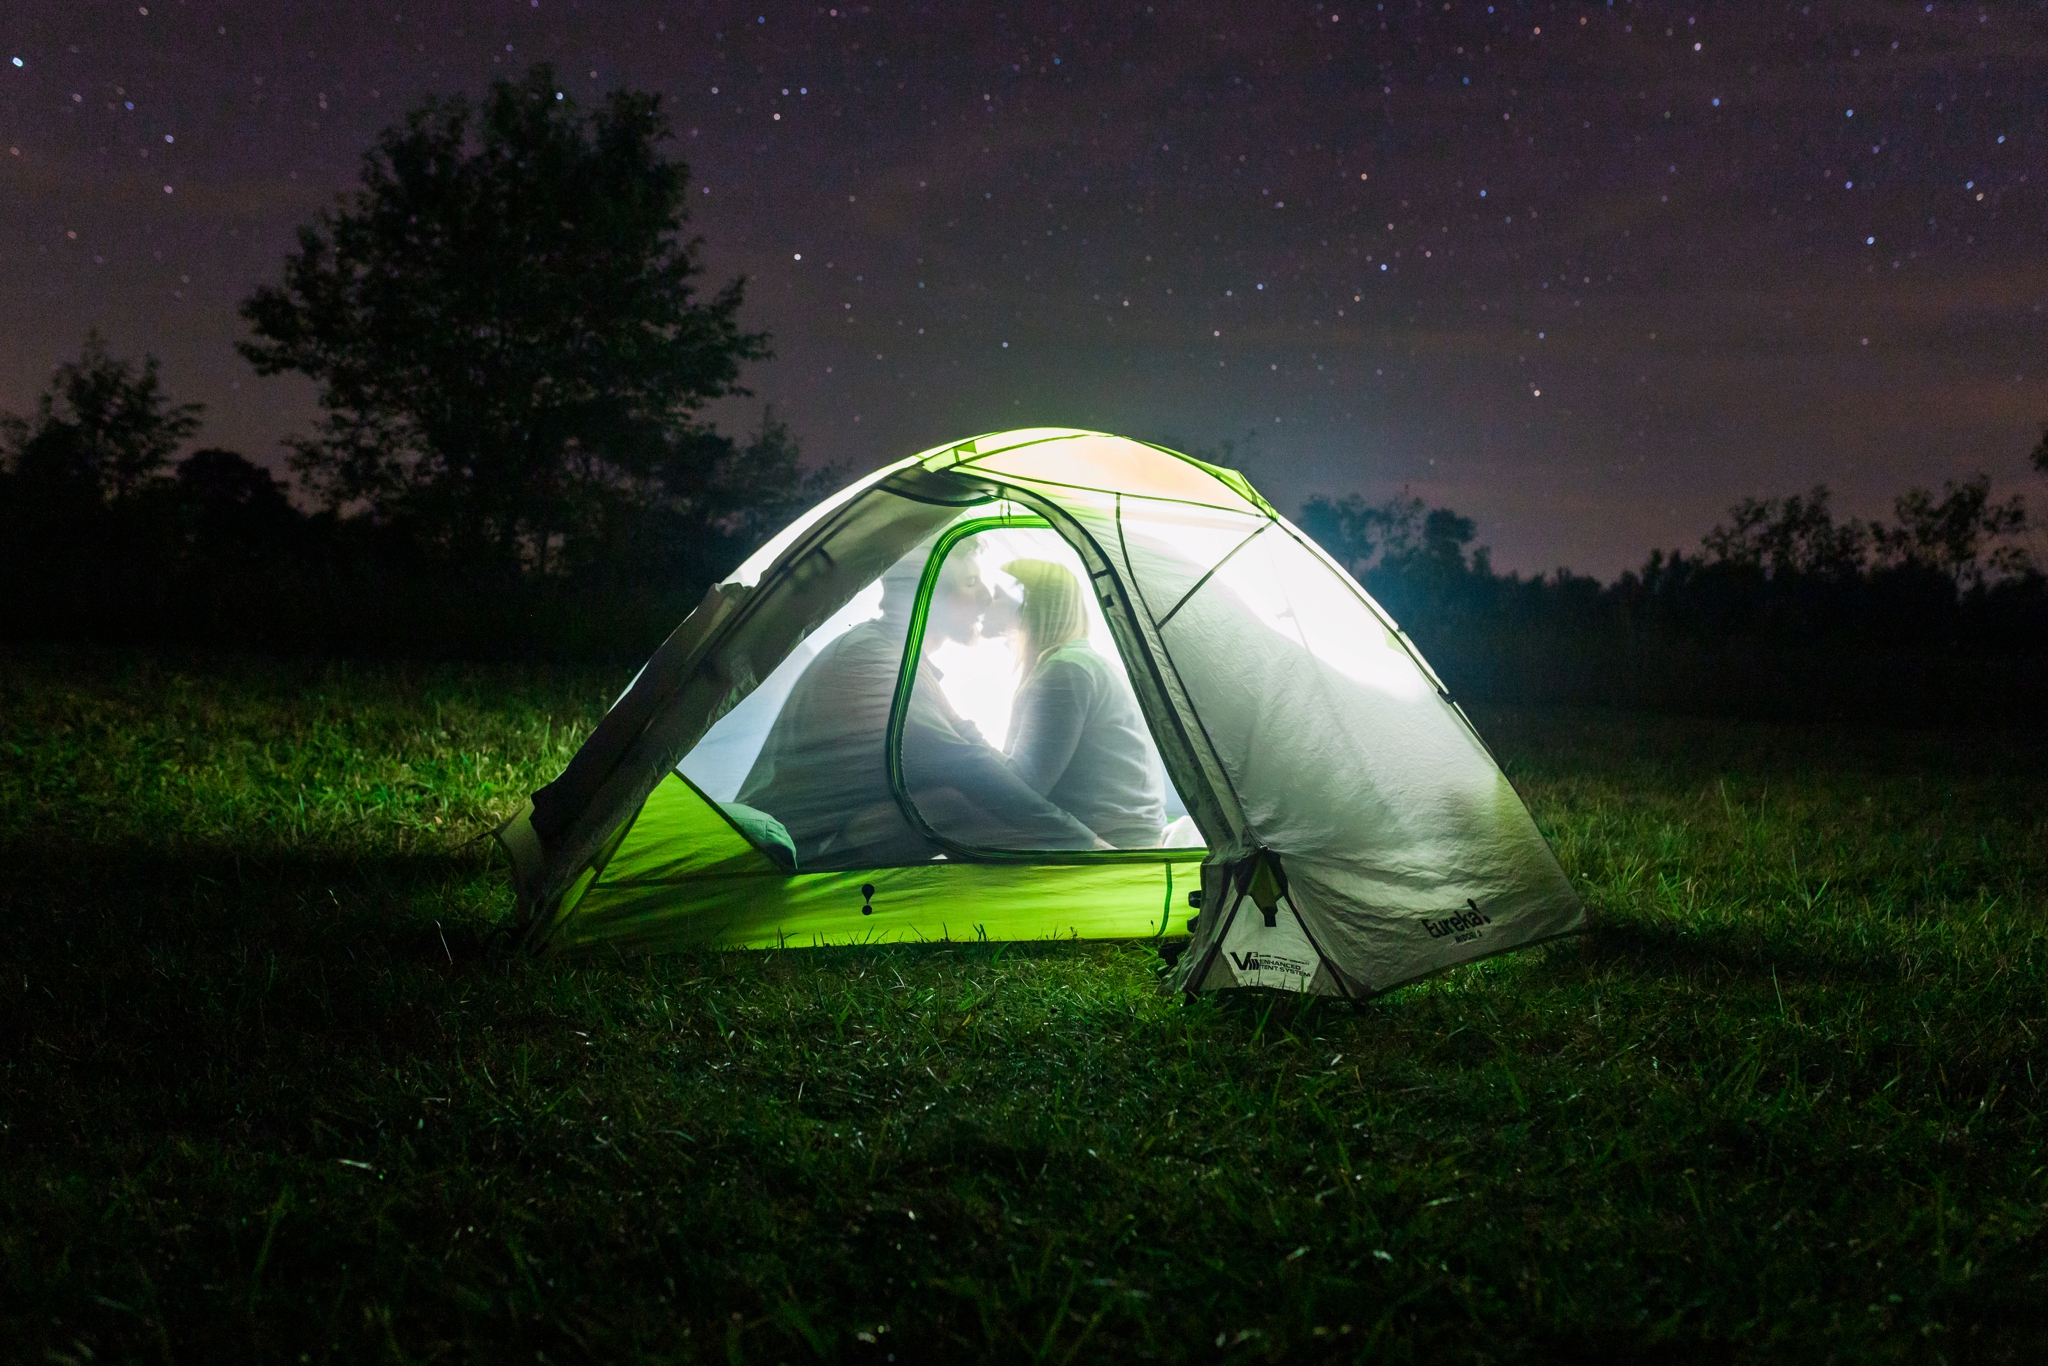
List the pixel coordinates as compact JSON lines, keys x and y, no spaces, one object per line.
{"x":1044,"y":684}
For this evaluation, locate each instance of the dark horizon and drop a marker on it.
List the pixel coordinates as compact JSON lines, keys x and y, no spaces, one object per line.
{"x":1737,"y":251}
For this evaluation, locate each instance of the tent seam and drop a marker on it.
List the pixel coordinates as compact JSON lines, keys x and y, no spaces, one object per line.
{"x":1161,"y":622}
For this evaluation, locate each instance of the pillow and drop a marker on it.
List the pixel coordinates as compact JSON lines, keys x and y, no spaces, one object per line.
{"x":764,"y":831}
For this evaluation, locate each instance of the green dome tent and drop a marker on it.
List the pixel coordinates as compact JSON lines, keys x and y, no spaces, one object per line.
{"x":1242,"y":744}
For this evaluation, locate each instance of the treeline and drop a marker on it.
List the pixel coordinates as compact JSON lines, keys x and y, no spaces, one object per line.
{"x":1782,"y":610}
{"x":106,"y":536}
{"x":1939,"y":614}
{"x":513,"y":362}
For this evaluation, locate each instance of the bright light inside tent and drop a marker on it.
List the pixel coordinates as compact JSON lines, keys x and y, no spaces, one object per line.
{"x":979,"y":678}
{"x":1287,"y":590}
{"x":979,"y":681}
{"x":1192,"y":562}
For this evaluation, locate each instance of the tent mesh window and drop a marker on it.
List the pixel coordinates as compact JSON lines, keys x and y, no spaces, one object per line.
{"x":1015,"y":653}
{"x":911,"y":726}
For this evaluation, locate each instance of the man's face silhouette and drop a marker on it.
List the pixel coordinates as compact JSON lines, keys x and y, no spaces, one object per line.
{"x":958,"y":600}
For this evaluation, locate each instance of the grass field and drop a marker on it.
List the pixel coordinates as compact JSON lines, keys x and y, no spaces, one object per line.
{"x":270,"y":1092}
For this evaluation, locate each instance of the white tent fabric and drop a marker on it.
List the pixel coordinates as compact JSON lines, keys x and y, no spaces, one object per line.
{"x":1388,"y":813}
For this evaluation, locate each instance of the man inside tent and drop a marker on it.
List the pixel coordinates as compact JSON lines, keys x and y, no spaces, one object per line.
{"x":822,"y":769}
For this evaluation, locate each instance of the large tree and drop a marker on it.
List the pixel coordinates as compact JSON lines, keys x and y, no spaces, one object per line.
{"x":504,"y":328}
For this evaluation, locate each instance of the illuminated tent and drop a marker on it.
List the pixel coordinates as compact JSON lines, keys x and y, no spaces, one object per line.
{"x":1269,"y":763}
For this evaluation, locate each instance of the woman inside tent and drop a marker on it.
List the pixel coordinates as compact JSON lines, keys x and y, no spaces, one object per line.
{"x":1076,"y":734}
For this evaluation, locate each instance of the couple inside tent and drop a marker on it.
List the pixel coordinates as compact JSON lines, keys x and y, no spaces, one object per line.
{"x":1017,"y":730}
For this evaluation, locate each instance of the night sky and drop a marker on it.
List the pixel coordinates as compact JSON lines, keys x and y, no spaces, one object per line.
{"x":1586,"y":273}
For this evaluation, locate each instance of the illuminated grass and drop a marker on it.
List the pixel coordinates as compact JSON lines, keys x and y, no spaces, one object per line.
{"x":269,"y":1089}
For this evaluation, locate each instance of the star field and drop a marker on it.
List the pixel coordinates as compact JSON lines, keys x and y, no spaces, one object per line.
{"x":1588,"y":273}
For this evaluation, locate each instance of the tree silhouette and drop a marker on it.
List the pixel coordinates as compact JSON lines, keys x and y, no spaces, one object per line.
{"x":505,"y":332}
{"x":1793,"y":535}
{"x":101,"y":431}
{"x":1962,"y":534}
{"x":1402,"y":535}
